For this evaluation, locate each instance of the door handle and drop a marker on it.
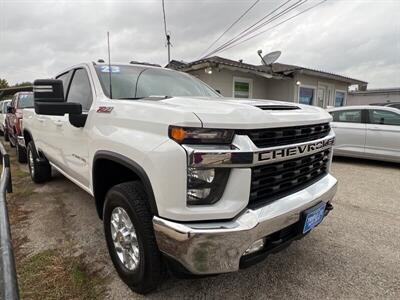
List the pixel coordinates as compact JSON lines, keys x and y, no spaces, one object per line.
{"x":40,"y":120}
{"x":58,"y":123}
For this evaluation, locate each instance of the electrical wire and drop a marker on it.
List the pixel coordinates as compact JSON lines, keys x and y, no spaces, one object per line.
{"x":276,"y":25}
{"x":247,"y":29}
{"x":230,"y":26}
{"x":256,"y":27}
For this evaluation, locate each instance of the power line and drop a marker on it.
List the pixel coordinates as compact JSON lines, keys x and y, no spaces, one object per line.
{"x":230,"y":26}
{"x":245,"y":30}
{"x":255,"y":27}
{"x":270,"y":28}
{"x":167,"y":35}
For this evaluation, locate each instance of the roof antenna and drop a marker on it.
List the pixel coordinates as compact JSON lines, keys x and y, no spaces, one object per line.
{"x":109,"y":62}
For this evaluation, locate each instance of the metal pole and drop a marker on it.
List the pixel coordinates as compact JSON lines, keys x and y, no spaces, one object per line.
{"x":8,"y":274}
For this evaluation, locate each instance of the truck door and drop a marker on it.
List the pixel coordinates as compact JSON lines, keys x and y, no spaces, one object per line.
{"x":74,"y":142}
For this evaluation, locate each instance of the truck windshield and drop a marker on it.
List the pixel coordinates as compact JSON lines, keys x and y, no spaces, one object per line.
{"x":25,"y":101}
{"x":133,"y":82}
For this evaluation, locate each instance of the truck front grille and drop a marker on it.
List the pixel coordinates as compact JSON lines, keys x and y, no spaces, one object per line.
{"x":272,"y":137}
{"x":273,"y":181}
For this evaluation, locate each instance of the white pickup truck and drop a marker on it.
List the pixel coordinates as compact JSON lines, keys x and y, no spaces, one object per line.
{"x":181,"y":176}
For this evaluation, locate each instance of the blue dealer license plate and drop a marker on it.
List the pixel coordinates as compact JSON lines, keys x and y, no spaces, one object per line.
{"x":313,"y":216}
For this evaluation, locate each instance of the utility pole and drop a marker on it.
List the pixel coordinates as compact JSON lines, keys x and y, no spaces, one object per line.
{"x":167,"y":35}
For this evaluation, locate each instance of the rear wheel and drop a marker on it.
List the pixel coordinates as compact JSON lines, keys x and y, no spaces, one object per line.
{"x":130,"y":237}
{"x":21,"y":154}
{"x":39,"y":169}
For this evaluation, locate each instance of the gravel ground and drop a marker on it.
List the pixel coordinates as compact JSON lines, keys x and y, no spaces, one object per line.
{"x":353,"y":254}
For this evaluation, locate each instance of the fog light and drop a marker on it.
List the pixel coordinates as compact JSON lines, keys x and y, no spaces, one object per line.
{"x":257,"y":245}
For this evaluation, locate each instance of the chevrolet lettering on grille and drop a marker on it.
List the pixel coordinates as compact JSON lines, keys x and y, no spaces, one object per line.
{"x":295,"y":150}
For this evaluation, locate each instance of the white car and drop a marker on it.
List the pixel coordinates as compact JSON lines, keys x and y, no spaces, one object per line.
{"x":3,"y":112}
{"x":206,"y":183}
{"x":371,"y":132}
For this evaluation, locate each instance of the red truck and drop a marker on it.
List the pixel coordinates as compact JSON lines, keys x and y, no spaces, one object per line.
{"x":13,"y":122}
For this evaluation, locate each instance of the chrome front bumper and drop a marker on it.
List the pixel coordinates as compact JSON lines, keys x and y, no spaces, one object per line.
{"x":216,"y":247}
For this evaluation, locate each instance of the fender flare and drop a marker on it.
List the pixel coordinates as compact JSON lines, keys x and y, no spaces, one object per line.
{"x":134,"y":167}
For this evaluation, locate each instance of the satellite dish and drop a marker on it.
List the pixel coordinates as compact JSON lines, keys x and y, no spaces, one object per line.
{"x":270,"y":58}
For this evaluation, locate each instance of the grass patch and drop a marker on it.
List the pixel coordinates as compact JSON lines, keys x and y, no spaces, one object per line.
{"x":50,"y":275}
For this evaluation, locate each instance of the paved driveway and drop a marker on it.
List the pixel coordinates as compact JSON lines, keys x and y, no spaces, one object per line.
{"x":354,"y":253}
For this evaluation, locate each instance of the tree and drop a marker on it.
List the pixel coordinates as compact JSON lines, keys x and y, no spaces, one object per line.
{"x":25,"y":83}
{"x":3,"y":84}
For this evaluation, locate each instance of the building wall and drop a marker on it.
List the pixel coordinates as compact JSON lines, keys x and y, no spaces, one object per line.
{"x":263,"y":88}
{"x":365,"y":99}
{"x":272,"y":89}
{"x":317,"y":82}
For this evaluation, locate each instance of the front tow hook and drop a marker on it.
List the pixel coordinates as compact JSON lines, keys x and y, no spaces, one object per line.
{"x":328,"y":208}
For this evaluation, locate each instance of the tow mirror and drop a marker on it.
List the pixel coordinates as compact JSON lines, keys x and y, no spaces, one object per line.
{"x":48,"y":95}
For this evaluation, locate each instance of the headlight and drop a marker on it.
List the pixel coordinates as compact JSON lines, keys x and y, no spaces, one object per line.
{"x":206,"y":186}
{"x":190,"y":135}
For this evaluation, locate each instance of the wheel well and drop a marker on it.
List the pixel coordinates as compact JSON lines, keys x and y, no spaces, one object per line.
{"x":27,"y":137}
{"x":108,"y":172}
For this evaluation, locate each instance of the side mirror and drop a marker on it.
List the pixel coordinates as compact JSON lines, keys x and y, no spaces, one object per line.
{"x":9,"y":109}
{"x":48,"y":90}
{"x":48,"y":95}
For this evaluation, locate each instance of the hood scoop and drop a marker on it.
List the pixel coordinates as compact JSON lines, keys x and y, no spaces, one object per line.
{"x":277,"y":107}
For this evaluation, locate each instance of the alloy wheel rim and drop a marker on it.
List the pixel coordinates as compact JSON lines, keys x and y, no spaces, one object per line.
{"x":124,"y":238}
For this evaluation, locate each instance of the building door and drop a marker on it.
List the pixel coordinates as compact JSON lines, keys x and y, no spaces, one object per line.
{"x":325,"y":95}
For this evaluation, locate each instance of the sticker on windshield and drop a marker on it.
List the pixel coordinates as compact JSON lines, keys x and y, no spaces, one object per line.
{"x":106,"y":69}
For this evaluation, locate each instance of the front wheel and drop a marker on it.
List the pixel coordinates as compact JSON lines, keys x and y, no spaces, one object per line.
{"x":130,"y":237}
{"x":40,"y":170}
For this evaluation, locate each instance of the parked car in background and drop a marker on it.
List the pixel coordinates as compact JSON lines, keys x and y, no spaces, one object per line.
{"x":371,"y":132}
{"x":388,"y":104}
{"x":3,"y":111}
{"x":13,"y":122}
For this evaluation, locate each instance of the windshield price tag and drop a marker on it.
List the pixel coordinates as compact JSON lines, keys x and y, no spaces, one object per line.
{"x":106,"y":69}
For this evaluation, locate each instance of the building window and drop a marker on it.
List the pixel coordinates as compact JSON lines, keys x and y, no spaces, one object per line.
{"x":306,"y":95}
{"x":242,"y":87}
{"x":339,"y":98}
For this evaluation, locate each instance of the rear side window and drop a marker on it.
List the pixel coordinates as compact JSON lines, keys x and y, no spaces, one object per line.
{"x":347,"y":116}
{"x":79,"y":90}
{"x":383,"y":117}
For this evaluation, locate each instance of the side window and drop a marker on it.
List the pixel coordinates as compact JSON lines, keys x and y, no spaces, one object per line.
{"x":80,"y":90}
{"x":349,"y":116}
{"x":383,"y":117}
{"x":65,"y":79}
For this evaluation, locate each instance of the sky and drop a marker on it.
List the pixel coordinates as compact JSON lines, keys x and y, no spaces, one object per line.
{"x":355,"y":38}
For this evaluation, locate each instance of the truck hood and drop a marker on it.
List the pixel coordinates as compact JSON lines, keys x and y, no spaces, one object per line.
{"x":247,"y":114}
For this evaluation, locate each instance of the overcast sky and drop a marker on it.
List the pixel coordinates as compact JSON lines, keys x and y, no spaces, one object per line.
{"x":356,"y":38}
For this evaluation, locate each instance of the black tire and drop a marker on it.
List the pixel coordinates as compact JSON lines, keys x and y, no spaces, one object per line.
{"x":21,"y":154}
{"x":133,"y":199}
{"x":6,"y":136}
{"x":39,"y":169}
